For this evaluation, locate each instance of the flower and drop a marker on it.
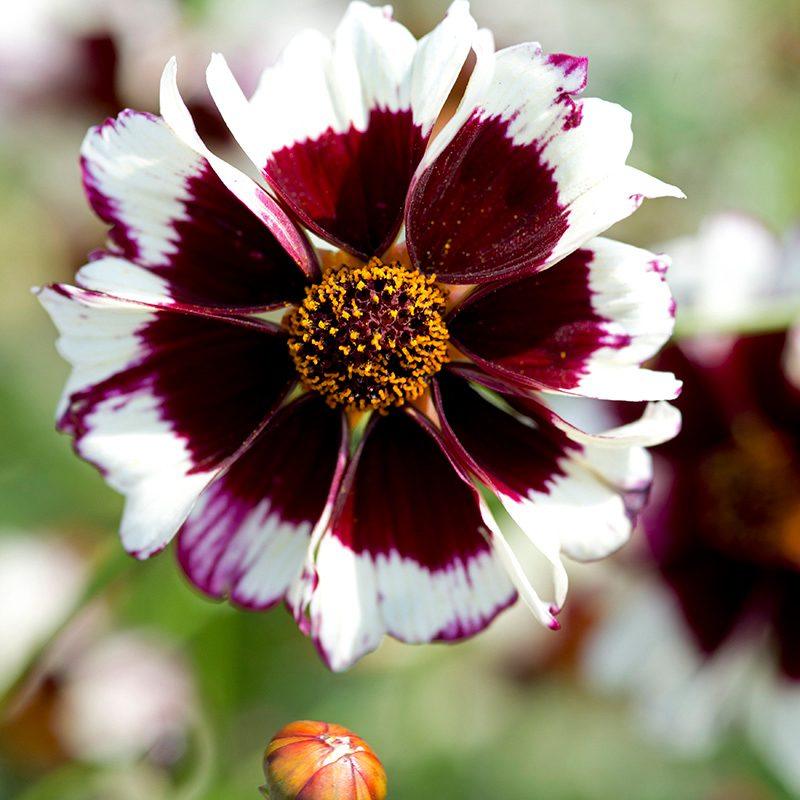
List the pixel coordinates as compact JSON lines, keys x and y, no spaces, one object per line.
{"x":103,"y":698}
{"x":29,"y":619}
{"x":318,"y":761}
{"x":304,"y":383}
{"x":128,"y":694}
{"x":91,"y":693}
{"x":28,"y":616}
{"x":94,"y":54}
{"x":58,"y":53}
{"x":734,"y":244}
{"x":709,"y":638}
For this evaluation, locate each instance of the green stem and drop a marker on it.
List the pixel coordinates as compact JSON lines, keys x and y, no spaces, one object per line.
{"x":200,"y":777}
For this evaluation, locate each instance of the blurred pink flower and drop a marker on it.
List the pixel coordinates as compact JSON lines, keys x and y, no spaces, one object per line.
{"x":247,"y":436}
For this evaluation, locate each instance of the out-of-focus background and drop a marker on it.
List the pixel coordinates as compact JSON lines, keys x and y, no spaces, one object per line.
{"x":152,"y":691}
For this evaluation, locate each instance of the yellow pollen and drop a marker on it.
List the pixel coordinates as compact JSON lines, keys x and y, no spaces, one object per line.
{"x":370,"y":337}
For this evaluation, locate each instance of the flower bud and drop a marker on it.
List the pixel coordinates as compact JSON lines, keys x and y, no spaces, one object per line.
{"x":319,"y":761}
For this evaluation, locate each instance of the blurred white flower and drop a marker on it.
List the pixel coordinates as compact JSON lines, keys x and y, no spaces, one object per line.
{"x":41,"y":579}
{"x":68,"y":50}
{"x":733,"y":273}
{"x":110,"y":53}
{"x":108,"y":696}
{"x":129,"y":694}
{"x":685,"y":699}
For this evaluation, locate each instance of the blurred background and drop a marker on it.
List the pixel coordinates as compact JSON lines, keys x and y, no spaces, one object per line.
{"x":118,"y":680}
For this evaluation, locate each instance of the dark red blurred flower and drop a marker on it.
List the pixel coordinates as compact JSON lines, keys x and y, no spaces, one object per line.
{"x":725,"y":527}
{"x":706,"y":637}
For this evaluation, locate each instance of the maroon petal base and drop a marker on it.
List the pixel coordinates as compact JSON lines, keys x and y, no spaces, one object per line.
{"x":512,"y":456}
{"x":486,"y":208}
{"x":171,"y":214}
{"x":539,"y":331}
{"x":350,"y":187}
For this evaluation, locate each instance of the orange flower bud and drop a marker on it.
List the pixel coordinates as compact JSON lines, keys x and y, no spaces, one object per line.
{"x":319,"y":761}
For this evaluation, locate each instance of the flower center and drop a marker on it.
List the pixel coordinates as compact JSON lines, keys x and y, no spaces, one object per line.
{"x":369,"y":337}
{"x":753,"y":508}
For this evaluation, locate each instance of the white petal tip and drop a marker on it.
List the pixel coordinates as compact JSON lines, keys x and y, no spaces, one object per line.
{"x":169,"y":76}
{"x":662,"y":189}
{"x":678,"y":388}
{"x":483,"y":41}
{"x":216,"y":63}
{"x":458,"y":7}
{"x":170,"y":71}
{"x":668,"y":417}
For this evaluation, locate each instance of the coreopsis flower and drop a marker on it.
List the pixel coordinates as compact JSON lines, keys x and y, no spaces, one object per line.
{"x":55,"y":52}
{"x":708,"y":639}
{"x":319,"y":761}
{"x":304,"y":382}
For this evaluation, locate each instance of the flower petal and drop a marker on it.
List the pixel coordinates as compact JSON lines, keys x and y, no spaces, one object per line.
{"x":791,"y":356}
{"x":727,"y":244}
{"x":683,"y":701}
{"x":524,"y":173}
{"x":158,"y":400}
{"x":773,"y":721}
{"x":176,"y":114}
{"x":619,"y":459}
{"x":570,"y":492}
{"x":407,"y":553}
{"x":248,"y":533}
{"x":172,"y":214}
{"x":339,"y":128}
{"x":582,"y":327}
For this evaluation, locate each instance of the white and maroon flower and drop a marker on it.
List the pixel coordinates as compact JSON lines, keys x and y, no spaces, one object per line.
{"x":326,"y":454}
{"x":706,"y":638}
